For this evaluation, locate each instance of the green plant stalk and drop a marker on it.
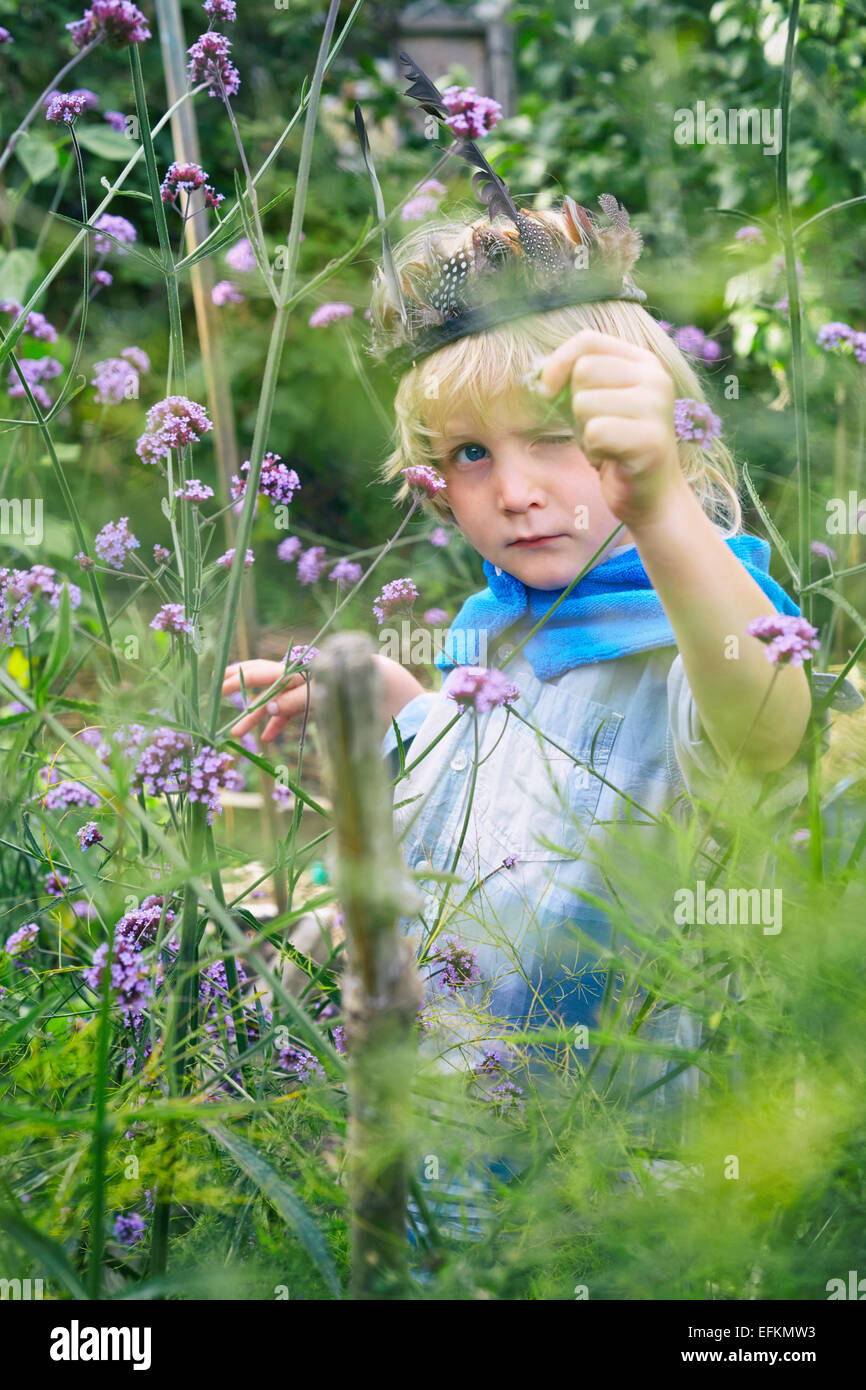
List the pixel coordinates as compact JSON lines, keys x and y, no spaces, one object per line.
{"x":271,"y":375}
{"x":100,"y":1136}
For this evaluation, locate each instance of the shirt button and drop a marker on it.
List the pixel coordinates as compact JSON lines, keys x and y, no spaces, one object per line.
{"x":458,"y":762}
{"x":504,"y":651}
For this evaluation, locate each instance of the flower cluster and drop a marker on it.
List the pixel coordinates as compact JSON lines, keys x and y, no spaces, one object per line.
{"x":209,"y":62}
{"x":277,"y":482}
{"x":117,"y":378}
{"x":748,"y":234}
{"x":694,"y":341}
{"x":130,"y":976}
{"x":168,"y":765}
{"x":189,"y":177}
{"x":118,"y":22}
{"x":288,"y":549}
{"x":194,"y":490}
{"x":843,"y":336}
{"x":22,"y":940}
{"x":220,"y":11}
{"x":393,"y":595}
{"x":129,"y":1229}
{"x":172,"y":424}
{"x":171,"y":617}
{"x":56,"y":883}
{"x":34,"y":370}
{"x":311,"y":564}
{"x":225,"y":561}
{"x":439,"y":536}
{"x":224,"y":292}
{"x":109,"y":231}
{"x":424,"y":479}
{"x":302,"y":654}
{"x":790,"y":639}
{"x":300,"y":1061}
{"x":59,"y":796}
{"x":21,"y":589}
{"x":88,"y":835}
{"x":471,"y":115}
{"x":241,"y":256}
{"x":346,"y":572}
{"x":35,"y":324}
{"x":425,"y":202}
{"x":139,"y":927}
{"x":64,"y":106}
{"x":481,"y":688}
{"x":114,"y":541}
{"x":459,"y":965}
{"x":116,"y":120}
{"x":329,"y":313}
{"x":695,"y":421}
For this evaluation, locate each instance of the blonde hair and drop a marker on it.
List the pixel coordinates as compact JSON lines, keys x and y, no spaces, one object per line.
{"x":485,"y":366}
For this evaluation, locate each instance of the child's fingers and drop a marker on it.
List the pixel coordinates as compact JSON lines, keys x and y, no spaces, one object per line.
{"x":255,"y":673}
{"x":560,"y":364}
{"x":278,"y":711}
{"x":631,"y":402}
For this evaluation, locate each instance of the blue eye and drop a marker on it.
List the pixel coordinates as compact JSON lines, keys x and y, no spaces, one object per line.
{"x":475,"y":451}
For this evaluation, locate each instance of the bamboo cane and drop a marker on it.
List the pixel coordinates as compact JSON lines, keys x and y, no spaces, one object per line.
{"x":381,"y":989}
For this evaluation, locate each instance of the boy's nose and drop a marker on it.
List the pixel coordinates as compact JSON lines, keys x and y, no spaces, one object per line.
{"x":517,"y":482}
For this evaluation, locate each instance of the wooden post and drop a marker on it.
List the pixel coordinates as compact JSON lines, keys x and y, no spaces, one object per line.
{"x":381,"y":985}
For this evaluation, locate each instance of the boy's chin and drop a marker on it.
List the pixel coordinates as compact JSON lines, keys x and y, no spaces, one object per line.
{"x":541,"y":570}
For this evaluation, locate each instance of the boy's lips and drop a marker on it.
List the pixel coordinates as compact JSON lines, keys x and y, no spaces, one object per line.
{"x":531,"y":541}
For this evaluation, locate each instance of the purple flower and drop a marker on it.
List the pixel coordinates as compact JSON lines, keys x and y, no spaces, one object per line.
{"x":282,"y":796}
{"x":103,"y":278}
{"x":435,"y":616}
{"x":505,"y":1095}
{"x":181,"y":175}
{"x":328,"y":313}
{"x":112,"y":227}
{"x":416,"y":209}
{"x":115,"y":381}
{"x":288,"y":549}
{"x":83,"y":910}
{"x":276,"y":482}
{"x":749,"y":234}
{"x":439,"y":536}
{"x":694,"y":420}
{"x":5,"y":36}
{"x":171,"y":617}
{"x":790,"y":639}
{"x":241,"y":255}
{"x":58,"y":796}
{"x":172,"y":424}
{"x":20,"y":590}
{"x":138,"y":357}
{"x":116,"y":120}
{"x":129,"y":1229}
{"x":346,"y":572}
{"x":118,"y":22}
{"x":303,"y":654}
{"x":510,"y":860}
{"x":88,"y":835}
{"x":194,"y":491}
{"x":130,"y":976}
{"x":832,"y":335}
{"x":140,"y":927}
{"x":209,"y":62}
{"x":220,"y":10}
{"x":491,"y":1062}
{"x":481,"y":688}
{"x":56,"y":883}
{"x":424,"y":479}
{"x":34,"y":370}
{"x":93,"y":739}
{"x":394,"y":595}
{"x":84,"y":560}
{"x":64,"y":106}
{"x":340,"y":1039}
{"x":819,"y":548}
{"x":91,"y":100}
{"x":311,"y":564}
{"x":471,"y":115}
{"x":302,"y":1062}
{"x":161,"y":555}
{"x":459,"y":965}
{"x":114,"y":541}
{"x":224,"y":292}
{"x":226,"y":560}
{"x":22,"y":940}
{"x":690,"y":339}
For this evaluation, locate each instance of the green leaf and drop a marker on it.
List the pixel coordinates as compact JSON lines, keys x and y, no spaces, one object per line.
{"x":38,"y":155}
{"x":49,"y":1254}
{"x":59,"y":647}
{"x":780,"y":544}
{"x":105,"y":142}
{"x":17,"y":269}
{"x":283,"y":1199}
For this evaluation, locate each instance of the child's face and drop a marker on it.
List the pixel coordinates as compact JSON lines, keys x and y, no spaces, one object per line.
{"x":510,"y":477}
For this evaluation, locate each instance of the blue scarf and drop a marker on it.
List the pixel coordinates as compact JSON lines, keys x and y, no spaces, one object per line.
{"x":613,"y":611}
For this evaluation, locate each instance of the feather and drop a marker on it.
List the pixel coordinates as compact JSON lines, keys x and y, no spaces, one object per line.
{"x":579,"y":223}
{"x":538,"y":244}
{"x":446,"y":293}
{"x":392,"y":279}
{"x":617,"y":214}
{"x":425,"y":92}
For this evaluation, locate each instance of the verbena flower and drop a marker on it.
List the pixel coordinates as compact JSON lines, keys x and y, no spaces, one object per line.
{"x":694,"y":420}
{"x":303,"y":653}
{"x":506,"y":1095}
{"x":58,"y":796}
{"x":137,"y":356}
{"x":459,"y":965}
{"x":394,"y":595}
{"x":103,"y":278}
{"x":84,"y":561}
{"x":435,"y":616}
{"x":116,"y":120}
{"x":789,"y":639}
{"x":424,"y":479}
{"x":209,"y":62}
{"x":91,"y":100}
{"x":35,"y":324}
{"x":161,"y":555}
{"x":194,"y":491}
{"x":139,"y":928}
{"x":224,"y":292}
{"x":111,"y":226}
{"x":288,"y":549}
{"x":510,"y":860}
{"x":471,"y":115}
{"x":169,"y":764}
{"x":130,"y":976}
{"x":481,"y":688}
{"x":21,"y":590}
{"x":282,"y":795}
{"x":695,"y":341}
{"x":221,"y":10}
{"x":301,"y":1061}
{"x":5,"y":36}
{"x":114,"y":542}
{"x":311,"y":564}
{"x":748,"y":234}
{"x":826,"y":551}
{"x":241,"y":255}
{"x":329,"y":313}
{"x":171,"y":617}
{"x":346,"y":573}
{"x":35,"y":370}
{"x":439,"y":536}
{"x":129,"y":1229}
{"x":117,"y":22}
{"x":64,"y":106}
{"x":88,"y":835}
{"x":116,"y":380}
{"x":416,"y":209}
{"x":226,"y":560}
{"x":172,"y":424}
{"x":276,"y":482}
{"x":93,"y":739}
{"x":22,"y":940}
{"x":56,"y":883}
